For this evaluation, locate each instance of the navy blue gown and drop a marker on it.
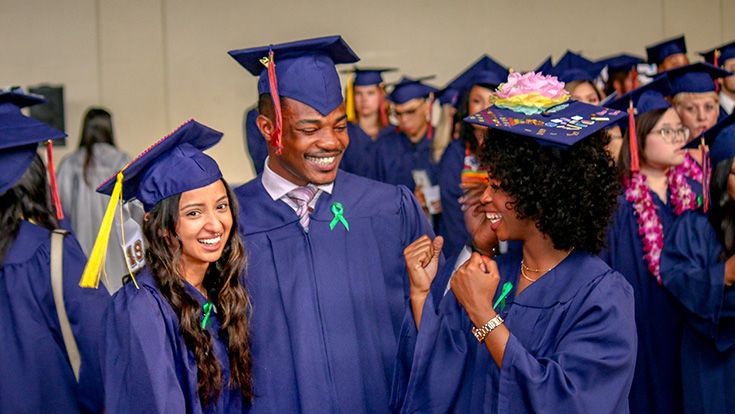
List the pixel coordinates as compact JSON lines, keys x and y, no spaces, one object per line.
{"x":327,"y":303}
{"x":146,"y":365}
{"x":396,"y":156}
{"x":693,"y":272}
{"x":358,"y":157}
{"x":657,"y":384}
{"x":571,"y":349}
{"x":35,"y":374}
{"x":451,"y":224}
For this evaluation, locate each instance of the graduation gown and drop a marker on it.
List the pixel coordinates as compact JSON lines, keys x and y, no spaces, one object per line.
{"x":327,"y":304}
{"x":35,"y":373}
{"x":396,"y":156}
{"x":693,"y":272}
{"x":572,"y":347}
{"x":657,"y":384}
{"x":146,"y":364}
{"x":451,"y":223}
{"x":357,"y":159}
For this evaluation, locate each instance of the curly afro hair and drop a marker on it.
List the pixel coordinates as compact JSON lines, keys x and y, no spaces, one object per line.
{"x":570,"y":193}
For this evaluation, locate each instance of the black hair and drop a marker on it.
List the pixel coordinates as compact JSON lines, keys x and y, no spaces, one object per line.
{"x":96,"y":128}
{"x":467,"y":130}
{"x":29,"y":199}
{"x":644,"y":124}
{"x":722,"y":211}
{"x":570,"y":193}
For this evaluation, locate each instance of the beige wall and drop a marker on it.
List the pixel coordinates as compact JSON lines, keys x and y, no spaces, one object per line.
{"x":156,"y":63}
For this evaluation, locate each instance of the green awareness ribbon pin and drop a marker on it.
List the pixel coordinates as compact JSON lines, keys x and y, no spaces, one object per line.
{"x":207,"y":311}
{"x":339,"y":217}
{"x":507,"y":287}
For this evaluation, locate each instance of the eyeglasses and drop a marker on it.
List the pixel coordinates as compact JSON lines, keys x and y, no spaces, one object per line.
{"x":669,"y":134}
{"x":407,"y":112}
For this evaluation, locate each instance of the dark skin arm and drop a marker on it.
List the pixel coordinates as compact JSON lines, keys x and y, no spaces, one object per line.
{"x":422,"y":263}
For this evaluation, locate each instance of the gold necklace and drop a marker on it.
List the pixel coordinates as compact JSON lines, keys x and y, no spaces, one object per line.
{"x":525,"y":268}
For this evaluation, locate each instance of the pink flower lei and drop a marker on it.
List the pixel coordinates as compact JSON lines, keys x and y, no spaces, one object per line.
{"x":690,"y":168}
{"x":649,"y":223}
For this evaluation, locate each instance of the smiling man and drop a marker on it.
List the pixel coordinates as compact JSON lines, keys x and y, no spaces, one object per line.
{"x":326,"y":274}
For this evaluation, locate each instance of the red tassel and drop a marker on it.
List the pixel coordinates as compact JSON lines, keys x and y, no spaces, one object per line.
{"x":634,"y":72}
{"x":634,"y":162}
{"x":55,"y":199}
{"x":383,"y":111}
{"x":430,"y":129}
{"x":715,"y":61}
{"x":273,"y":83}
{"x":706,"y":172}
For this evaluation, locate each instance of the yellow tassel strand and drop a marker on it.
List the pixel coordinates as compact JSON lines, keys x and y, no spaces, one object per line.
{"x":96,"y":262}
{"x":350,"y":100}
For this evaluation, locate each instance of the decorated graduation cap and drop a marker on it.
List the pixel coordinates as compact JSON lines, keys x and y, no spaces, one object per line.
{"x":695,"y":78}
{"x":407,"y":89}
{"x":538,"y":106}
{"x":660,"y":51}
{"x":173,"y":165}
{"x":573,"y":67}
{"x":365,"y":77}
{"x":19,"y":139}
{"x":720,"y":54}
{"x":302,"y":70}
{"x":646,"y":98}
{"x":484,"y":71}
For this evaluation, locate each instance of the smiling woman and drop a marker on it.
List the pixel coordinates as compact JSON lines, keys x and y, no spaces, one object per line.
{"x":177,"y":337}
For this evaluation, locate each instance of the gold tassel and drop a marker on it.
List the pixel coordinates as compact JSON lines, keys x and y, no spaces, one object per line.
{"x":350,"y":100}
{"x":96,"y":263}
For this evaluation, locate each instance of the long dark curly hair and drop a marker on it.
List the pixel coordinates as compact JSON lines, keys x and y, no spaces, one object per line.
{"x":570,"y":193}
{"x":28,"y":199}
{"x":722,"y":211}
{"x":222,"y":282}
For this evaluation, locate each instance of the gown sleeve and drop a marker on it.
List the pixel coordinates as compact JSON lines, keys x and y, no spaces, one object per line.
{"x":139,"y":368}
{"x":693,"y":272}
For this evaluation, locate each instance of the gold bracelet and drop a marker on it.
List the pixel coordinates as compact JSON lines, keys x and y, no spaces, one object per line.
{"x":482,"y":332}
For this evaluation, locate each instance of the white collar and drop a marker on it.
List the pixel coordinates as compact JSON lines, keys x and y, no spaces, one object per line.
{"x":278,"y":187}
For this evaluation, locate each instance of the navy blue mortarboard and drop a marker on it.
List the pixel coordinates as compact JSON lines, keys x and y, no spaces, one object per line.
{"x":302,"y":70}
{"x":720,"y":54}
{"x":484,"y":71}
{"x":573,"y":67}
{"x":695,"y":78}
{"x":173,"y":165}
{"x":367,"y":76}
{"x":408,"y":88}
{"x":620,"y":63}
{"x":19,"y":139}
{"x":720,"y":139}
{"x":538,"y":107}
{"x":660,"y":51}
{"x":646,"y":98}
{"x":545,"y":66}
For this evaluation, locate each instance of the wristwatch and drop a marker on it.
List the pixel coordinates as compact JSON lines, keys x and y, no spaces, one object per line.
{"x":482,"y":332}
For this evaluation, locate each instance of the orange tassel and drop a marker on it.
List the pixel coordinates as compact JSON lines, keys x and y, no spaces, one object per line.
{"x":715,"y":61}
{"x":273,"y":83}
{"x":430,"y":129}
{"x":383,"y":110}
{"x":634,"y":72}
{"x":52,"y":181}
{"x":634,"y":162}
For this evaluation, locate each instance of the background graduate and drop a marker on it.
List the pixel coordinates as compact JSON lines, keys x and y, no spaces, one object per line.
{"x":176,"y":337}
{"x":327,"y":278}
{"x":548,"y":325}
{"x":724,"y":58}
{"x":654,"y":194}
{"x":698,"y":268}
{"x":668,"y":54}
{"x":36,"y":373}
{"x":365,"y":101}
{"x":578,"y":75}
{"x":459,"y":172}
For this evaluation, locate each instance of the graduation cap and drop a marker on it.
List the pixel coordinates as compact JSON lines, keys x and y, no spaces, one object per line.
{"x":646,"y":98}
{"x":545,"y":66}
{"x":19,"y":139}
{"x":408,"y":88}
{"x":720,"y":139}
{"x":302,"y":70}
{"x":695,"y":78}
{"x":620,"y":63}
{"x":173,"y":165}
{"x":720,"y":54}
{"x":364,"y":77}
{"x":537,"y":106}
{"x":484,"y":71}
{"x":660,"y":51}
{"x":573,"y":67}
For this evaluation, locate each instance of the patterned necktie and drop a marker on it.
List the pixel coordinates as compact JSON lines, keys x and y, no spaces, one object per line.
{"x":302,"y":196}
